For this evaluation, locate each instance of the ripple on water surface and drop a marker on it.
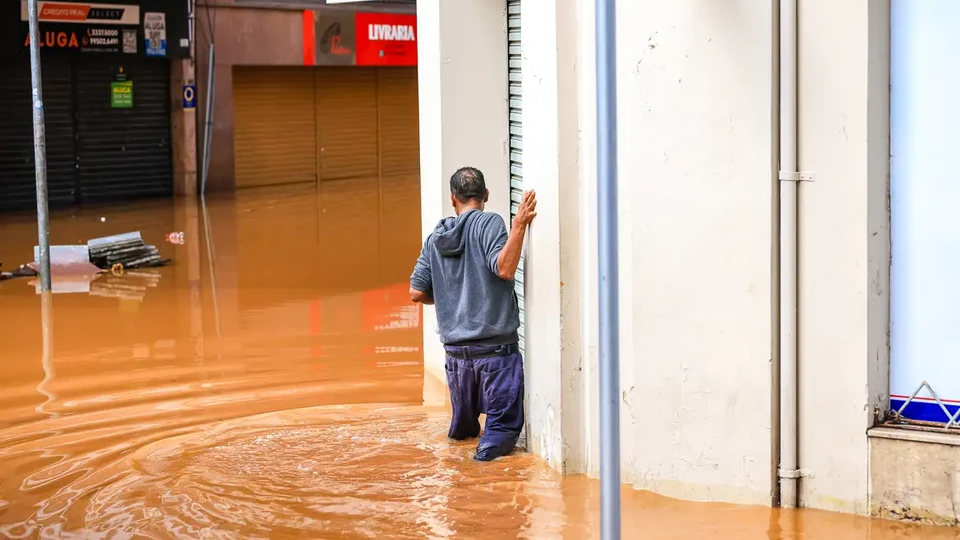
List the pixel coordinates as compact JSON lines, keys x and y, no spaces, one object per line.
{"x":359,"y":471}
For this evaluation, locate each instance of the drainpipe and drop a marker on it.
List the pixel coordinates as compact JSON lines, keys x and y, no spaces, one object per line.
{"x":788,"y":471}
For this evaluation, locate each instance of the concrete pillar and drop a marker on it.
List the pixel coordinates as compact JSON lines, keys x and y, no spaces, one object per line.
{"x":552,"y":264}
{"x":844,"y":245}
{"x":463,"y":116}
{"x":184,"y":122}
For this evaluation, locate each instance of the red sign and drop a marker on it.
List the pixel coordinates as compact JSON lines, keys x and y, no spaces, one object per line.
{"x":72,"y":12}
{"x":64,"y":12}
{"x":386,"y":39}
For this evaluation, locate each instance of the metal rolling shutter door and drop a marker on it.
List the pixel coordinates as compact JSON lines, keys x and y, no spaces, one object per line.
{"x":399,"y":121}
{"x":399,"y":126}
{"x":275,"y":132}
{"x":123,"y":153}
{"x":17,"y":179}
{"x":516,"y":132}
{"x":347,"y":122}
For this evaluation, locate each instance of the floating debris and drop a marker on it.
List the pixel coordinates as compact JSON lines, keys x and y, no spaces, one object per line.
{"x":117,"y":254}
{"x":22,"y":271}
{"x":175,"y":238}
{"x":127,"y":250}
{"x":66,"y":261}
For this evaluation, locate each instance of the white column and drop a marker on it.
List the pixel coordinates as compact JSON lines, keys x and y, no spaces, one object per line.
{"x":555,"y":427}
{"x":463,"y":119}
{"x":589,"y":461}
{"x":844,"y":248}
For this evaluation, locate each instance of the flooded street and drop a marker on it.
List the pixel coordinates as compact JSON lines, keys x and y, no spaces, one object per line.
{"x":277,"y":393}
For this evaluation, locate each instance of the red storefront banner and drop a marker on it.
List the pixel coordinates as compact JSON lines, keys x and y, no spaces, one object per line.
{"x":386,"y":39}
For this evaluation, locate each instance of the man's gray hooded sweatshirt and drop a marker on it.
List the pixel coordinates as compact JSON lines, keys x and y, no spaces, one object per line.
{"x":458,"y":268}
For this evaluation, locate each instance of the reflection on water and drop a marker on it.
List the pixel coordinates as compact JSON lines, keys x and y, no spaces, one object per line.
{"x":276,"y":393}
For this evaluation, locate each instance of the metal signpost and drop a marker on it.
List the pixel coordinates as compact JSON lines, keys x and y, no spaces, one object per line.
{"x":208,"y":126}
{"x":39,"y":147}
{"x":606,"y":41}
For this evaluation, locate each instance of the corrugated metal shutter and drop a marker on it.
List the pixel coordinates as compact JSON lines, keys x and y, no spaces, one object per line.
{"x":516,"y":131}
{"x":17,"y":179}
{"x":123,"y":153}
{"x":400,"y":171}
{"x":274,"y":127}
{"x":399,"y":122}
{"x":347,"y":122}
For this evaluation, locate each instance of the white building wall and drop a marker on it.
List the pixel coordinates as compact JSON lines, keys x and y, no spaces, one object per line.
{"x":844,"y":244}
{"x":552,"y":294}
{"x":697,"y":175}
{"x":698,"y":199}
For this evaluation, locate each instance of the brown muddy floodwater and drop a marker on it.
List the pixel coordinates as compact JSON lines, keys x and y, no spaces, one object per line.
{"x":276,"y":393}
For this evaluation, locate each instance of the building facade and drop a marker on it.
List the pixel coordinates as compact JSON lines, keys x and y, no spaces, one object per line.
{"x":303,"y":92}
{"x":307,"y":92}
{"x":756,"y":293}
{"x":112,"y":72}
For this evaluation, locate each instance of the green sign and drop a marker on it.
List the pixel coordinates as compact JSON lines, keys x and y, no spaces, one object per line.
{"x":121,"y":95}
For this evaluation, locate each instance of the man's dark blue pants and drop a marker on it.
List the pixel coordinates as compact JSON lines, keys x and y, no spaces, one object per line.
{"x":486,"y":379}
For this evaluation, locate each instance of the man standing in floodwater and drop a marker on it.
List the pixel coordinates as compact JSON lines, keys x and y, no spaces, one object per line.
{"x":467,"y":268}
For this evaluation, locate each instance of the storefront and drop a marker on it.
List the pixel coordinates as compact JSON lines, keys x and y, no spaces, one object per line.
{"x":350,"y":112}
{"x":106,"y":94}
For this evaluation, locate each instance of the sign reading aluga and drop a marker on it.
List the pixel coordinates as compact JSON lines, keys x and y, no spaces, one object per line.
{"x":155,"y":33}
{"x":121,"y":95}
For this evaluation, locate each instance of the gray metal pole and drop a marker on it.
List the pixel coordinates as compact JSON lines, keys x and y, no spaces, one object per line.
{"x":608,"y":272}
{"x":39,"y":147}
{"x":208,"y":126}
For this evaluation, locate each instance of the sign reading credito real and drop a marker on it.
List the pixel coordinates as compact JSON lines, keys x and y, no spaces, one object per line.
{"x":82,"y":13}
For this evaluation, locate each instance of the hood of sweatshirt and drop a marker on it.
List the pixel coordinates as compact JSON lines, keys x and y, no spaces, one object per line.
{"x":448,"y":237}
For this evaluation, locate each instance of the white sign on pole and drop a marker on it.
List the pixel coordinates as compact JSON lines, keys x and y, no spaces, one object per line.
{"x":155,"y":33}
{"x":924,"y":206}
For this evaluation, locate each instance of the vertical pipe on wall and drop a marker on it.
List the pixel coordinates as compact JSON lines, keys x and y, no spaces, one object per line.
{"x":606,"y":41}
{"x":789,"y":181}
{"x":39,"y":146}
{"x":208,"y":126}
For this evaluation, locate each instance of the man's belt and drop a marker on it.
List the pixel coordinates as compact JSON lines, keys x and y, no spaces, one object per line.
{"x":474,"y":352}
